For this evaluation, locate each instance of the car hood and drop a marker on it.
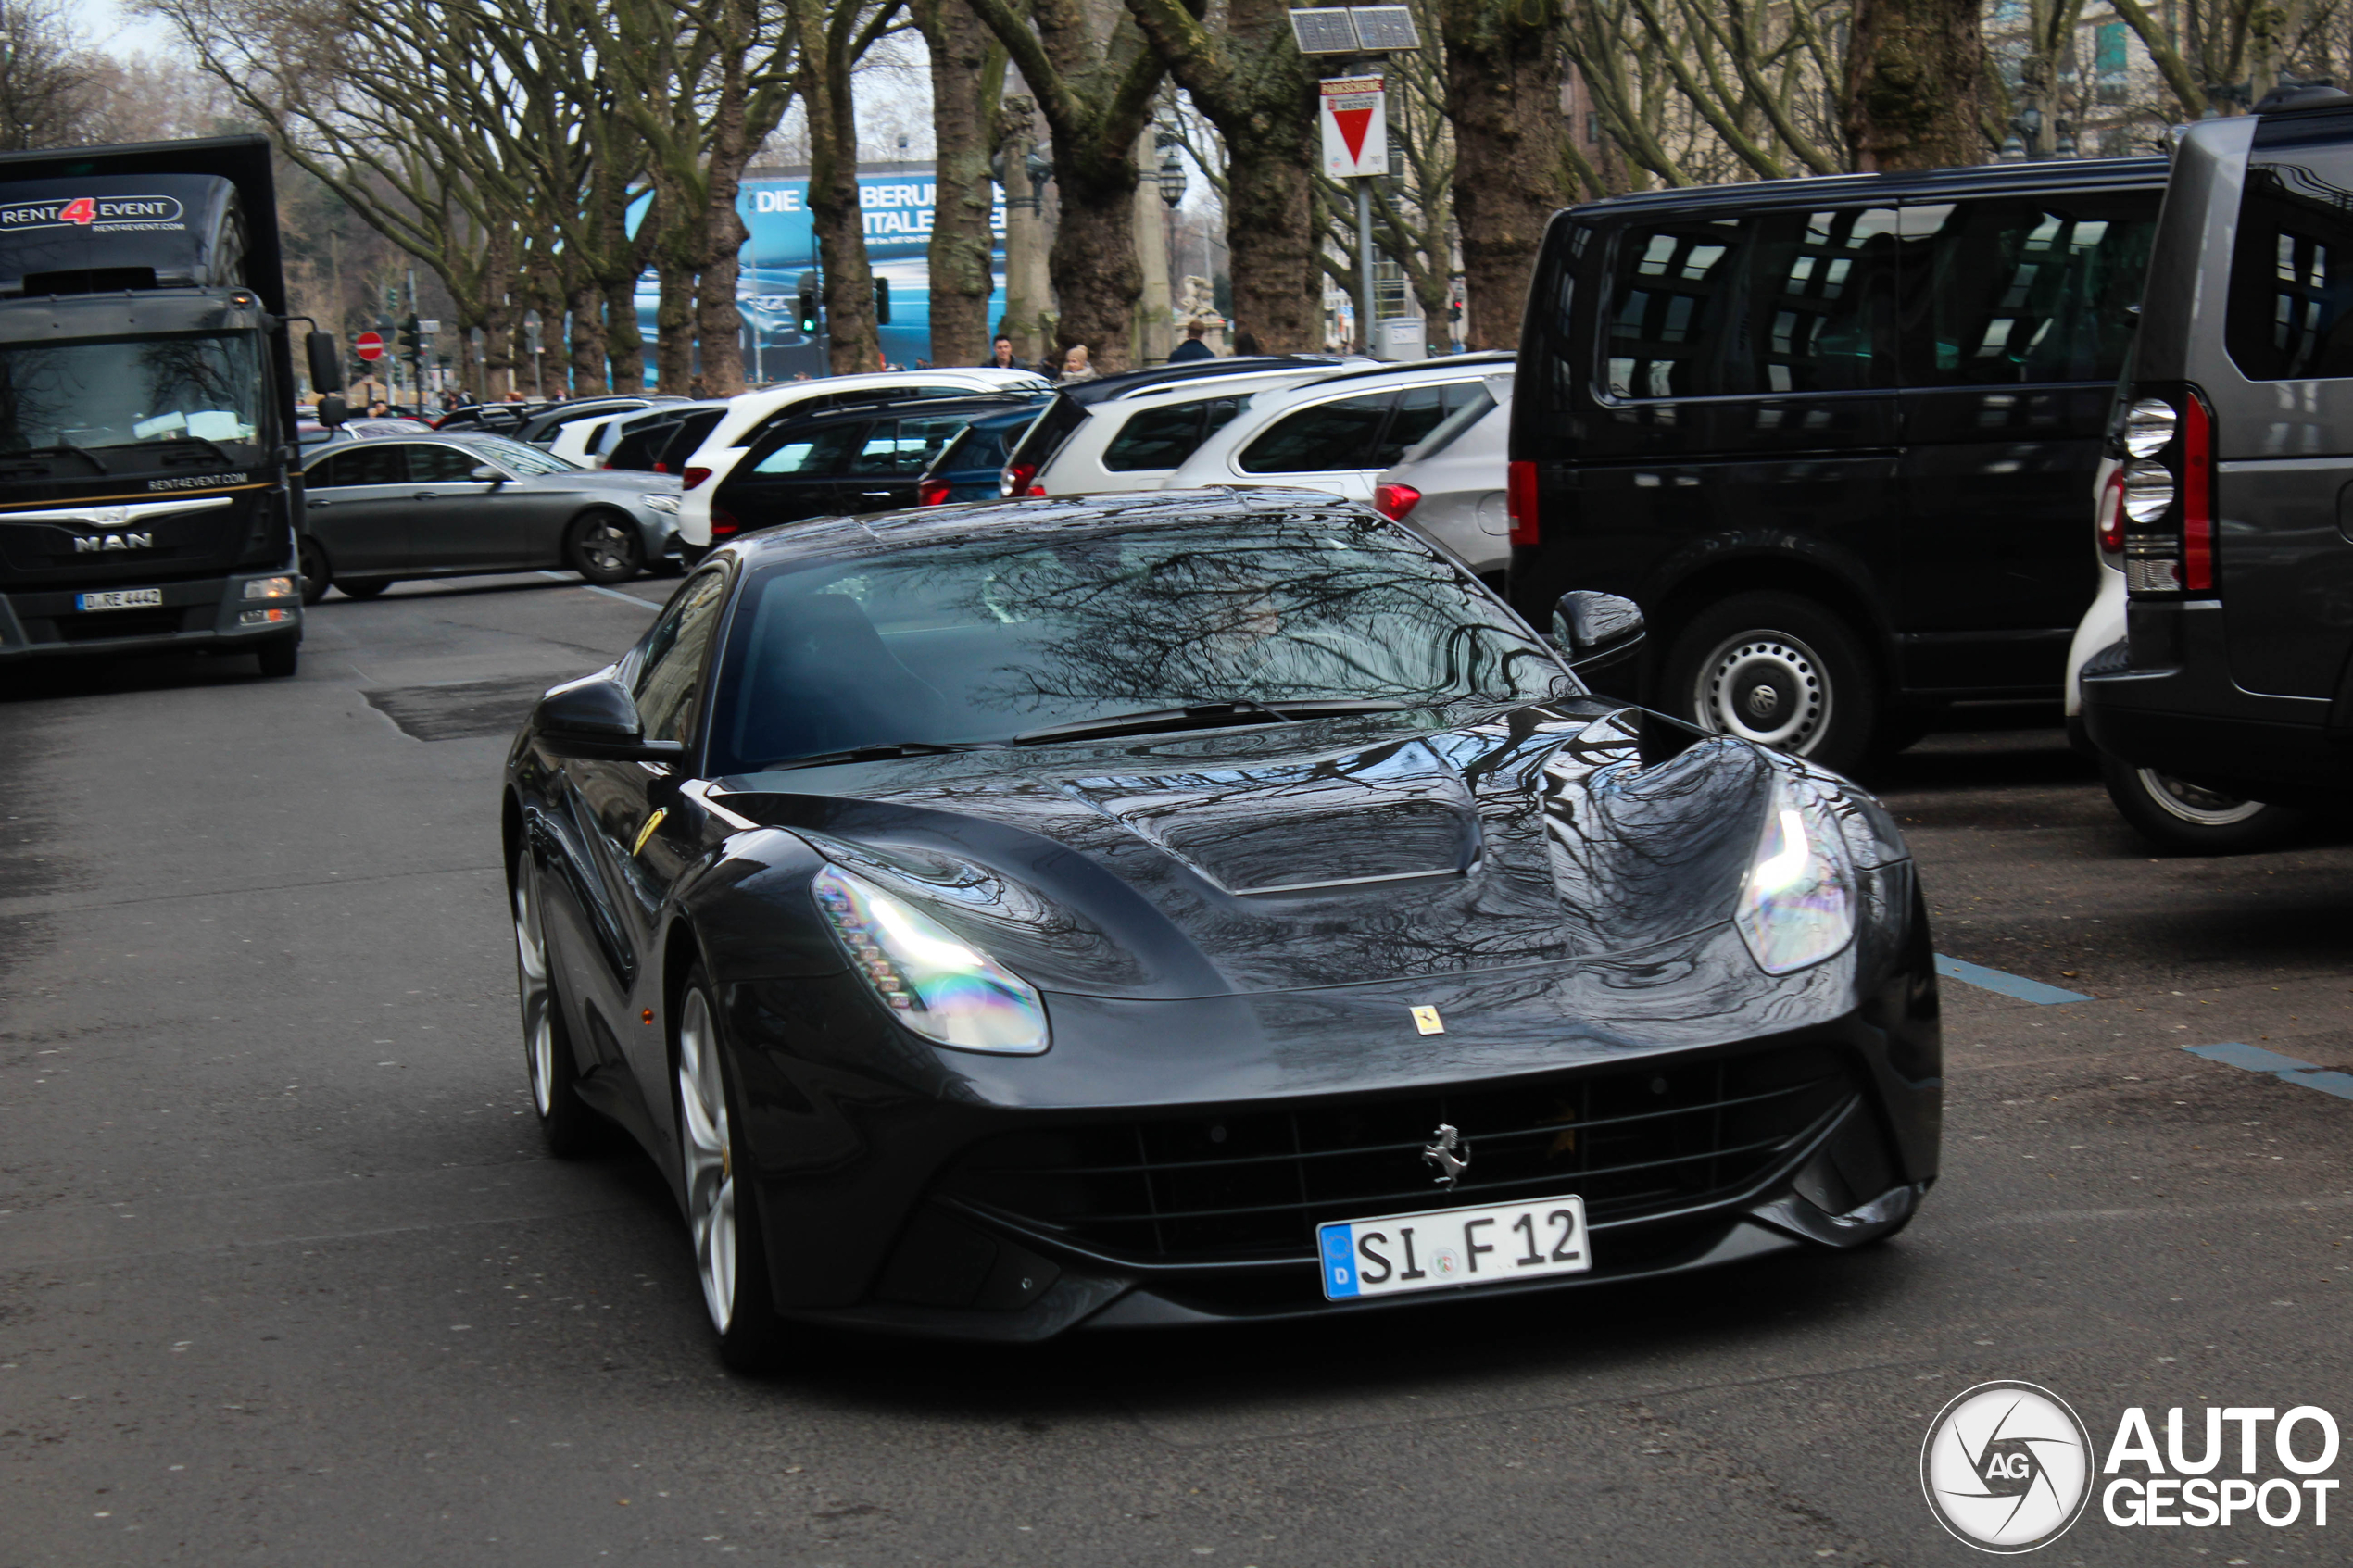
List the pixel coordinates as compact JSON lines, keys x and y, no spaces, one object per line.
{"x":1334,"y":853}
{"x":628,"y":480}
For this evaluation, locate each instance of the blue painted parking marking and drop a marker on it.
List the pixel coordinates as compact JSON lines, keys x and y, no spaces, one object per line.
{"x":2016,"y":985}
{"x":2287,"y":1068}
{"x":1339,"y":1263}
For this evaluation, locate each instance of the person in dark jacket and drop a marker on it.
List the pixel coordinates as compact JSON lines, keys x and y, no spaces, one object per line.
{"x":1193,"y":347}
{"x":1001,"y":354}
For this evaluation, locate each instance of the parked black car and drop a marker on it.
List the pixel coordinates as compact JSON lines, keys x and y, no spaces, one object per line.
{"x":2233,"y":500}
{"x":1208,"y":905}
{"x":851,"y":457}
{"x":1838,"y":437}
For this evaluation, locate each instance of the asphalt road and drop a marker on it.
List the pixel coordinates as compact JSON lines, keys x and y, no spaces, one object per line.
{"x":284,"y":1278}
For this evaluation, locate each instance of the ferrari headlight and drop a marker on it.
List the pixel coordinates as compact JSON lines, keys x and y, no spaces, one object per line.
{"x":1797,"y":907}
{"x":937,"y":985}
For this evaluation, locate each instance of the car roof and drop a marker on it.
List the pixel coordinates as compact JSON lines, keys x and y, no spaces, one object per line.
{"x":845,"y":413}
{"x":981,"y":378}
{"x":1127,"y":383}
{"x":1987,"y":179}
{"x":884,"y":533}
{"x":1411,"y":368}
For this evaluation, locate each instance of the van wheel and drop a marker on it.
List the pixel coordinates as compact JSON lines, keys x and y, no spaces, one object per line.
{"x":317,"y":575}
{"x":1778,"y":669}
{"x":363,"y":588}
{"x":2188,"y":820}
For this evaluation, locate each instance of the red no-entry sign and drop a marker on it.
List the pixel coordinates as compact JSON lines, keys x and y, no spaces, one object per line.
{"x":368,"y":346}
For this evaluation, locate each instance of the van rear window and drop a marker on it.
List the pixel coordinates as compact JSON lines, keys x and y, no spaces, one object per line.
{"x":2292,"y":267}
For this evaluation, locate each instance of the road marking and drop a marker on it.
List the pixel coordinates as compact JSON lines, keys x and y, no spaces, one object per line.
{"x":609,"y":593}
{"x":2287,"y":1068}
{"x":2016,"y":985}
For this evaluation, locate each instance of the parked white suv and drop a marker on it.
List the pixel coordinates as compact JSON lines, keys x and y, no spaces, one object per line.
{"x":751,"y":412}
{"x":1338,"y":433}
{"x":1135,"y":441}
{"x":1451,"y":488}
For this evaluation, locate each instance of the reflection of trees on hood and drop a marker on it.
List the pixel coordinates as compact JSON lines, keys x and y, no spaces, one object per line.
{"x":1250,"y":610}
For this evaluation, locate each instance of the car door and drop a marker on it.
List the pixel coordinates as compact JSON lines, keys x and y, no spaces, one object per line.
{"x":1322,"y":446}
{"x":882,"y":472}
{"x":2016,"y":312}
{"x":356,"y":504}
{"x":458,"y":521}
{"x":641,"y":831}
{"x":791,"y":475}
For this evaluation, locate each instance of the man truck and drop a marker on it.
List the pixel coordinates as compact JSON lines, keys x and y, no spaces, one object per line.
{"x":149,"y":481}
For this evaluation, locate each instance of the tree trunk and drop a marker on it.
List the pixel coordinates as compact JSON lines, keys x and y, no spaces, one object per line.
{"x":675,"y":327}
{"x":585,"y":303}
{"x":1096,"y":278}
{"x":624,"y":345}
{"x":967,"y":81}
{"x":718,"y":323}
{"x":1916,"y":86}
{"x":853,"y":345}
{"x":1502,"y":94}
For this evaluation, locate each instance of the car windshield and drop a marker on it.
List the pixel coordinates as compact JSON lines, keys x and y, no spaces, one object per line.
{"x":146,"y":393}
{"x":522,"y":457}
{"x":975,"y":644}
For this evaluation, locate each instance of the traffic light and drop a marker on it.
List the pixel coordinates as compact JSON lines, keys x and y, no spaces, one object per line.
{"x":882,"y":302}
{"x":412,"y":342}
{"x":808,"y":304}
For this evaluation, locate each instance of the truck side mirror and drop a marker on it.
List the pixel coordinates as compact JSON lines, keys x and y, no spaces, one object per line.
{"x":326,"y":365}
{"x":332,"y":412}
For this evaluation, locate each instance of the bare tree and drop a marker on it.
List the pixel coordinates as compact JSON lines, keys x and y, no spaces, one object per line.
{"x":967,"y":105}
{"x":1502,"y":94}
{"x":48,"y":80}
{"x":1917,"y":90}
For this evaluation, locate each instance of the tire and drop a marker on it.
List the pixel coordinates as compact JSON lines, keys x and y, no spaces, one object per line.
{"x":318,"y":575}
{"x":280,"y":657}
{"x":571,"y":1130}
{"x":2185,"y":819}
{"x":1778,"y":669}
{"x":722,"y":1214}
{"x":363,"y":588}
{"x":604,"y":549}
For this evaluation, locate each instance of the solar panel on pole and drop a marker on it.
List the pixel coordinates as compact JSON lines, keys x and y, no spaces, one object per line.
{"x":1383,"y":28}
{"x":1324,"y":32}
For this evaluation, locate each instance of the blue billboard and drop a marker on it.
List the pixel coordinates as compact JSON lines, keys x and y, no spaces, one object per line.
{"x":897,"y":199}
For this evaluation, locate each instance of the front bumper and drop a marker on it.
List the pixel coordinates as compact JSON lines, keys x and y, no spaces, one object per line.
{"x":984,"y":1210}
{"x":2175,"y":709}
{"x":207,"y":614}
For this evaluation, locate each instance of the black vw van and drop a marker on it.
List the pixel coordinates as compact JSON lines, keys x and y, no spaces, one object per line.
{"x":1838,"y":436}
{"x":2234,"y":504}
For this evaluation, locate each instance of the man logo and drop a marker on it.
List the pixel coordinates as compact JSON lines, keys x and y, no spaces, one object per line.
{"x":2006,"y":1467}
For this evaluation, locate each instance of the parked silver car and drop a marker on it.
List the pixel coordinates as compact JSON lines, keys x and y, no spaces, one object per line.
{"x":1451,"y":487}
{"x":380,"y":509}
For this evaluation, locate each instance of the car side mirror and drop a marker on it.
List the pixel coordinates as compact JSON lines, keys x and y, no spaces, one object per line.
{"x":487,"y":474}
{"x":332,"y":412}
{"x":1595,"y":631}
{"x":595,"y":718}
{"x":326,"y":365}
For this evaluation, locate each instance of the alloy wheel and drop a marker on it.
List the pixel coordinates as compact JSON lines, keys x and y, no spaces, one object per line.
{"x":606,"y":547}
{"x":1765,"y":686}
{"x":539,"y":999}
{"x":2201,"y":808}
{"x":709,"y":1156}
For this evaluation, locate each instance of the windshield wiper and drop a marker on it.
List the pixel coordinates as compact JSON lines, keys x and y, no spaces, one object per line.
{"x":180,"y":439}
{"x":880,"y":752}
{"x":46,"y":452}
{"x":1204,"y":716}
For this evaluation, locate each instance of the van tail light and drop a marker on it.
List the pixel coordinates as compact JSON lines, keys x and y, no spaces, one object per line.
{"x":723,"y":525}
{"x":933,"y":493}
{"x":1393,"y":501}
{"x":2110,"y":524}
{"x":2165,"y":492}
{"x":1014,"y":480}
{"x":693,"y":477}
{"x":1520,"y":496}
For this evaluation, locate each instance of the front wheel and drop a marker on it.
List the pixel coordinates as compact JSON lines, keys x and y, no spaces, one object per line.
{"x":1778,"y":669}
{"x":317,"y":574}
{"x":604,"y":549}
{"x":723,"y":1208}
{"x":280,"y":657}
{"x":363,"y":588}
{"x":2189,"y":820}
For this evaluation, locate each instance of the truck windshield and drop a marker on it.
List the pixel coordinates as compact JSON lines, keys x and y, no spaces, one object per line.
{"x":120,"y":397}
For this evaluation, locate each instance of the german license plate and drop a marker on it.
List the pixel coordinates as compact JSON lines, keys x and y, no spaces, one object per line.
{"x":120,"y":598}
{"x":1451,"y":1248}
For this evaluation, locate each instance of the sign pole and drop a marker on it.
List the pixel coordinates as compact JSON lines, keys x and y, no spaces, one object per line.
{"x":1365,"y":266}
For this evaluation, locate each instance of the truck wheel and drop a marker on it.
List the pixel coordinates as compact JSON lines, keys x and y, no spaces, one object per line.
{"x":1778,"y":669}
{"x":317,"y":574}
{"x":603,"y":548}
{"x":2188,"y":820}
{"x":364,"y":588}
{"x":279,"y":656}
